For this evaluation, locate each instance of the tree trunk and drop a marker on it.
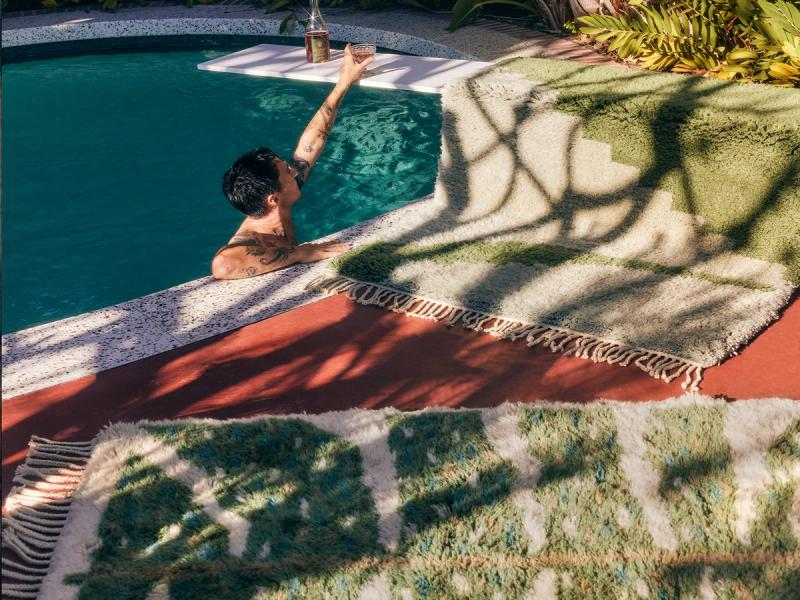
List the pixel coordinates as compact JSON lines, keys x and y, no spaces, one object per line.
{"x":581,"y":8}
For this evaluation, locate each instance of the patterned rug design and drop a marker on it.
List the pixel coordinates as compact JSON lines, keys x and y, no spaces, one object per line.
{"x":537,"y":233}
{"x":688,"y":498}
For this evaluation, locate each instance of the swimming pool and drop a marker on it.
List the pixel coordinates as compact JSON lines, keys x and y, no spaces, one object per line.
{"x":113,"y":162}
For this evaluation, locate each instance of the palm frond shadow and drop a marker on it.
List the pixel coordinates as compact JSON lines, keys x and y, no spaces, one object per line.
{"x":428,"y":514}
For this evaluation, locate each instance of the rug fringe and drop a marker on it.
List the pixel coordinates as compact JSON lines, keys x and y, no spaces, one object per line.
{"x":660,"y":365}
{"x":37,"y":511}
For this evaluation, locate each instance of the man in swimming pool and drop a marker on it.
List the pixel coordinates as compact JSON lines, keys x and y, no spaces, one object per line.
{"x":264,"y":187}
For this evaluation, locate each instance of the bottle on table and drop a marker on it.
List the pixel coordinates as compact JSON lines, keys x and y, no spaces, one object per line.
{"x":318,"y":42}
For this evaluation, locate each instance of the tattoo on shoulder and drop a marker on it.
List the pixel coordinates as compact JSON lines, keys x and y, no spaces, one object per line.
{"x":252,"y":244}
{"x":255,"y":250}
{"x":281,"y":254}
{"x":255,"y":244}
{"x":327,"y":117}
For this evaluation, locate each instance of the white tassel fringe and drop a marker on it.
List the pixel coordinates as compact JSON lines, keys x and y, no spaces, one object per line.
{"x":36,"y":511}
{"x":556,"y":339}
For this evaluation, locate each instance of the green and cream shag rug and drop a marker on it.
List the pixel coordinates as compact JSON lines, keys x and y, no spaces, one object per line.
{"x":615,"y":215}
{"x":688,"y":498}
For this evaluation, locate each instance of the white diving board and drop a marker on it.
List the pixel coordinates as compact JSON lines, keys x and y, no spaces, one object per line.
{"x":388,"y":71}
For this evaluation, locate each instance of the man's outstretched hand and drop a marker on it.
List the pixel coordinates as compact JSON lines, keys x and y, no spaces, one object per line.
{"x":350,"y":70}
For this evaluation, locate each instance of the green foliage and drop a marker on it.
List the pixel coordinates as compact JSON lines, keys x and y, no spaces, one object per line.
{"x":295,"y":17}
{"x":571,"y":27}
{"x":371,"y":4}
{"x":429,"y":5}
{"x":556,"y":13}
{"x":755,"y":40}
{"x":464,"y":10}
{"x":288,"y":23}
{"x":274,"y":5}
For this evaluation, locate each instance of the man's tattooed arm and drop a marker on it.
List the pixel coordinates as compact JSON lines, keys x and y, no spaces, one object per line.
{"x":316,"y":134}
{"x":280,"y":254}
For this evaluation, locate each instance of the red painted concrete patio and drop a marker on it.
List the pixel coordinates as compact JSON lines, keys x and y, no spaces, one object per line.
{"x":335,"y":354}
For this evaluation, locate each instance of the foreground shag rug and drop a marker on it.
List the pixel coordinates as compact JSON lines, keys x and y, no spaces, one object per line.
{"x":688,"y":498}
{"x":535,"y":233}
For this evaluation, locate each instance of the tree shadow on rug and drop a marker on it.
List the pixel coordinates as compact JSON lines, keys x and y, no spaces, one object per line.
{"x":534,"y":224}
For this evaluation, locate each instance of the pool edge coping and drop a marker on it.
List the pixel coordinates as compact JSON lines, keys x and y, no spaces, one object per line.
{"x":86,"y":344}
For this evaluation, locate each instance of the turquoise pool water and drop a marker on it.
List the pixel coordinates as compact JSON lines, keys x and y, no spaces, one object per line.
{"x":112,"y":170}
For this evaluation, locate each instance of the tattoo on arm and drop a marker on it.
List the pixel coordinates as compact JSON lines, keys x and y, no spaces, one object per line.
{"x":250,"y":271}
{"x":281,"y":254}
{"x":327,"y":115}
{"x":302,"y":167}
{"x":318,"y":129}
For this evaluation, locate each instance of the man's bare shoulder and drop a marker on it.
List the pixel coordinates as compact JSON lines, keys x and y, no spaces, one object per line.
{"x":250,"y":253}
{"x":255,"y":243}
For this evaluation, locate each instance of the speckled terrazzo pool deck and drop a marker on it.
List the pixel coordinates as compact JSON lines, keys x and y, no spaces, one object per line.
{"x":64,"y":350}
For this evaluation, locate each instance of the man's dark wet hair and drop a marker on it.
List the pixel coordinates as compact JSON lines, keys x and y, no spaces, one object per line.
{"x":252,"y":178}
